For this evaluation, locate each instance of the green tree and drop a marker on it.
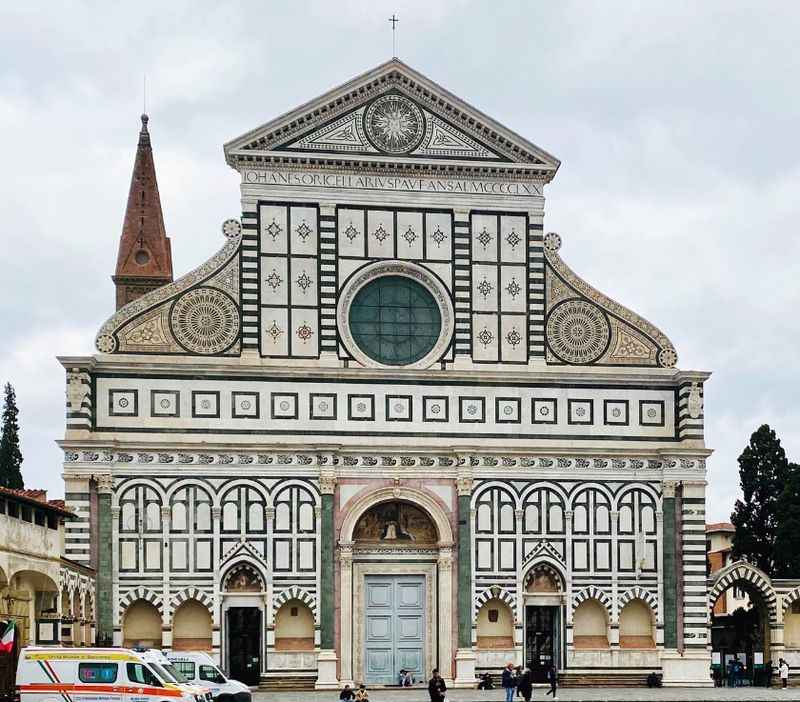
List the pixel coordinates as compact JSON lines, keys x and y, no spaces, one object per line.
{"x":10,"y":455}
{"x":763,"y":469}
{"x":787,"y":535}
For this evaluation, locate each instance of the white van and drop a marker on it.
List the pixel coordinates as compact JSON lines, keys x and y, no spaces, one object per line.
{"x":165,"y":670}
{"x":199,"y":668}
{"x":93,"y":675}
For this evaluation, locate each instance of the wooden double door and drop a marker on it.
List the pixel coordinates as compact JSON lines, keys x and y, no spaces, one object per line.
{"x":394,"y":627}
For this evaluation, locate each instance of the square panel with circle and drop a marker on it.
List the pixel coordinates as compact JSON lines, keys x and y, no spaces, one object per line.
{"x":123,"y":403}
{"x":322,"y":406}
{"x":651,"y":413}
{"x":284,"y":405}
{"x":245,"y":405}
{"x":399,"y":408}
{"x":544,"y":410}
{"x":361,"y":408}
{"x":471,"y":409}
{"x":435,"y":409}
{"x":165,"y":403}
{"x":580,"y":411}
{"x":508,"y":410}
{"x":205,"y":403}
{"x":616,"y":412}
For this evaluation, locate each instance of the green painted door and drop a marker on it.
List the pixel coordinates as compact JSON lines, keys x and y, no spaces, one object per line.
{"x":394,"y":623}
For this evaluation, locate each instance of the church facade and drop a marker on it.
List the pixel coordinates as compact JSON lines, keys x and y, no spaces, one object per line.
{"x":386,"y":426}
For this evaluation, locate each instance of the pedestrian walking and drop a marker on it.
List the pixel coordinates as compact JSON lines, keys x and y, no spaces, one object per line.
{"x":552,"y":678}
{"x":525,"y":685}
{"x":509,"y":681}
{"x":783,"y":670}
{"x":436,"y":687}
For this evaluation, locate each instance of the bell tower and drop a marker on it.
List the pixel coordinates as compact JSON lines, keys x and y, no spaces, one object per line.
{"x":144,"y":261}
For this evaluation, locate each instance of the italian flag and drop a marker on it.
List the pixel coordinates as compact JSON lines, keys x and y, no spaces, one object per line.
{"x":7,"y":642}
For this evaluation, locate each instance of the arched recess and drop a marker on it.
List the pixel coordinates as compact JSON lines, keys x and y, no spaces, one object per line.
{"x":425,"y":500}
{"x":590,"y":625}
{"x":295,"y":593}
{"x":495,"y":625}
{"x":593,"y":593}
{"x":750,"y":578}
{"x":244,"y":576}
{"x":191,"y":627}
{"x":294,"y":627}
{"x":140,"y":593}
{"x":791,"y":619}
{"x":636,"y":625}
{"x":495,"y":592}
{"x":141,"y":625}
{"x":192,"y":593}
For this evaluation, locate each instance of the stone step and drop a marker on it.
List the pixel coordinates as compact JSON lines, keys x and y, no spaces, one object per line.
{"x":285,"y":683}
{"x":602,"y":680}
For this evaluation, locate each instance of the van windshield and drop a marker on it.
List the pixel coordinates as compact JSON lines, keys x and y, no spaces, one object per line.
{"x":174,"y":673}
{"x":210,"y":673}
{"x":163,"y":674}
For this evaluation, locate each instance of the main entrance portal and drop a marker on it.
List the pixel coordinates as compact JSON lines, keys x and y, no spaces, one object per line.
{"x":394,"y":636}
{"x":244,"y":644}
{"x":541,"y":639}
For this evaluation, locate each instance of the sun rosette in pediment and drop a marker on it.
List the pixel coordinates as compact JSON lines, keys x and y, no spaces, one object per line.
{"x":198,"y":314}
{"x":392,"y":113}
{"x":585,"y":327}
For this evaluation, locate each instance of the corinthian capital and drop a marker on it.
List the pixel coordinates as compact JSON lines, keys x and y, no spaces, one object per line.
{"x":327,"y":482}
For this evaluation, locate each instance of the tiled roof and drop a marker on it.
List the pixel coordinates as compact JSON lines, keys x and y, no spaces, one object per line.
{"x":37,"y":498}
{"x":720,"y":526}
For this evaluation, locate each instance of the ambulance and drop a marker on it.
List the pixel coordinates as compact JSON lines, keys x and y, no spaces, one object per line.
{"x":166,"y":671}
{"x":198,"y":668}
{"x":56,"y":674}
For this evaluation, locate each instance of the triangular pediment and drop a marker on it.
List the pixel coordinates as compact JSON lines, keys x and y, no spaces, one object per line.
{"x":392,"y":114}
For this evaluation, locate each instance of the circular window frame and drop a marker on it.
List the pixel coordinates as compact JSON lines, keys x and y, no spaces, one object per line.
{"x":381,"y":269}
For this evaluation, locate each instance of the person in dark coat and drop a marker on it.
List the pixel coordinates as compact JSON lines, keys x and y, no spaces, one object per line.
{"x":436,"y":687}
{"x":347,"y":693}
{"x":552,"y":678}
{"x":525,"y":685}
{"x":509,"y":682}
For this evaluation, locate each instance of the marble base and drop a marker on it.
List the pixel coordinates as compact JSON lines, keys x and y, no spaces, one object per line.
{"x":326,"y":671}
{"x":692,"y":669}
{"x":465,"y":668}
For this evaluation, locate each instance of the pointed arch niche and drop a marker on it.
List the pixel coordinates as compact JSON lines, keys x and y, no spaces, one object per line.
{"x":244,"y":589}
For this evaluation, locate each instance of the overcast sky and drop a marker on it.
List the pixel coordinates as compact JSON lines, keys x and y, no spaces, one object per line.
{"x":676,"y":124}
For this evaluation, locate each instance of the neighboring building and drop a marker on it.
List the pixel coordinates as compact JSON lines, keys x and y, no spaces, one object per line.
{"x":49,"y":597}
{"x":719,"y":540}
{"x":386,"y":425}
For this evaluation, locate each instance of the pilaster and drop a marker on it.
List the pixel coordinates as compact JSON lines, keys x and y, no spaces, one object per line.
{"x":670,"y":598}
{"x":105,"y":565}
{"x":327,"y":678}
{"x":465,"y":654}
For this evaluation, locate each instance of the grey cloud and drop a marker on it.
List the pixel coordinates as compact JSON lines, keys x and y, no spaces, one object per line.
{"x":676,"y":123}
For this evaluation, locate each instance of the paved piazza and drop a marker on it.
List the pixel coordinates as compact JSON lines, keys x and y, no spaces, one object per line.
{"x":606,"y":694}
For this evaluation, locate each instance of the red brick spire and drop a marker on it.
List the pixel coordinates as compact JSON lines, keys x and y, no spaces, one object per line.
{"x":144,"y":262}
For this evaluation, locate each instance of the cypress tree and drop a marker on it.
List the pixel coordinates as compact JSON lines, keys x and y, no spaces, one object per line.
{"x":10,"y":455}
{"x":787,"y":535}
{"x":763,"y":469}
